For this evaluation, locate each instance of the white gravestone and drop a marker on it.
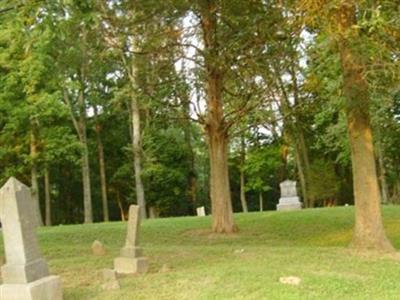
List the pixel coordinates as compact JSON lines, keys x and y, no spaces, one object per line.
{"x":131,"y":260}
{"x":201,"y":211}
{"x":289,"y":199}
{"x":25,"y":274}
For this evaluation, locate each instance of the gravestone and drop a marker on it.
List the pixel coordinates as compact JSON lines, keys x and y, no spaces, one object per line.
{"x":131,"y":259}
{"x":25,"y":274}
{"x":98,"y":248}
{"x":201,"y":211}
{"x":289,"y":199}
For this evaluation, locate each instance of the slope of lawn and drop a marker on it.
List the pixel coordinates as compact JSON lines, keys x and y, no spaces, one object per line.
{"x":310,"y":244}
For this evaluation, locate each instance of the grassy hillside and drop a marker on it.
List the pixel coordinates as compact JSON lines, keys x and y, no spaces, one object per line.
{"x":310,"y":244}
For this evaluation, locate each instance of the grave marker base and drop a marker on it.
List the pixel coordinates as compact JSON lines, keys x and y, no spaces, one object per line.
{"x":128,"y":265}
{"x":47,"y":288}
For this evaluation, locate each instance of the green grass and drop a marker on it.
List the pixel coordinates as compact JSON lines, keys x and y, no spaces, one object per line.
{"x":310,"y":244}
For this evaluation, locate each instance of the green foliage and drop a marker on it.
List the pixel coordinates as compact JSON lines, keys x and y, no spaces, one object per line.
{"x":165,"y":171}
{"x":323,"y":181}
{"x":261,"y":167}
{"x":281,"y":81}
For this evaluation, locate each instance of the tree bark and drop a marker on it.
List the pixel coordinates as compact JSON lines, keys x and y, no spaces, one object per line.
{"x":369,"y":232}
{"x":242,"y":177}
{"x":34,"y":173}
{"x":261,"y":201}
{"x":216,"y":129}
{"x":302,"y":176}
{"x":222,"y":213}
{"x":192,"y":178}
{"x":137,"y":156}
{"x":47,"y":196}
{"x":87,"y":193}
{"x":382,"y":174}
{"x":153,"y":212}
{"x":121,"y":207}
{"x":102,"y":168}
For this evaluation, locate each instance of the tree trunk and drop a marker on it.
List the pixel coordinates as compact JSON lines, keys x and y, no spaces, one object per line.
{"x":395,"y":197}
{"x":302,"y":146}
{"x":216,"y":128}
{"x":192,"y":180}
{"x":137,"y":156}
{"x":261,"y":201}
{"x":153,"y":212}
{"x":242,"y":179}
{"x":222,"y":213}
{"x":382,"y":175}
{"x":103,"y":180}
{"x":85,"y":166}
{"x":47,"y":195}
{"x":121,"y":208}
{"x":34,"y":174}
{"x":302,"y":176}
{"x":369,"y":232}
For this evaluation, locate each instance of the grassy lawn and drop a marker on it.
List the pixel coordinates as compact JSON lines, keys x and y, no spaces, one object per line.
{"x":310,"y":244}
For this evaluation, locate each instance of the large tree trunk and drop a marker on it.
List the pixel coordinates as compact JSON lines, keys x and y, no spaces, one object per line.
{"x":222,"y":213}
{"x":369,"y":232}
{"x":137,"y":156}
{"x":216,"y":129}
{"x":102,"y":168}
{"x":242,"y":178}
{"x":34,"y":174}
{"x":47,"y":195}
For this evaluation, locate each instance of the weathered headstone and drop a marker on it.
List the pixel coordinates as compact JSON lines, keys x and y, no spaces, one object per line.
{"x":131,"y":260}
{"x":201,"y":211}
{"x":289,"y":199}
{"x":98,"y":248}
{"x":25,"y":274}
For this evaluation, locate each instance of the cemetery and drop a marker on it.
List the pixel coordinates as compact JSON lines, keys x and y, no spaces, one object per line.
{"x":274,"y":256}
{"x":199,"y":149}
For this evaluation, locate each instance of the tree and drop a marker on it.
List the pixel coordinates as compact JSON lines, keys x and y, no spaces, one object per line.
{"x":344,"y":25}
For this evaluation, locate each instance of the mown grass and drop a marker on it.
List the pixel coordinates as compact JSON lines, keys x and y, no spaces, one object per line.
{"x":310,"y":244}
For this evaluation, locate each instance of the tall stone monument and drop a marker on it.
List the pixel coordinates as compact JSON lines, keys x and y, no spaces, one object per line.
{"x":289,"y":199}
{"x":25,"y":274}
{"x":131,"y":260}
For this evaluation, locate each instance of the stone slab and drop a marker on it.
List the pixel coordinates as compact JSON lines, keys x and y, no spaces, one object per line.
{"x":127,"y":265}
{"x":47,"y":288}
{"x":24,"y":273}
{"x":288,"y":189}
{"x":289,"y":200}
{"x":290,"y":206}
